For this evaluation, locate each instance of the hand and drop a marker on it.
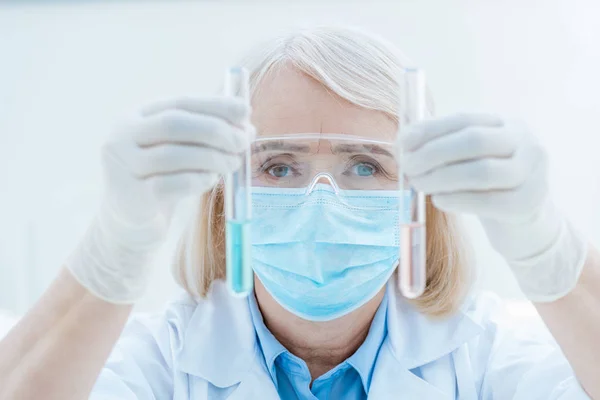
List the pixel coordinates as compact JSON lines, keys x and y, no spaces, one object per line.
{"x":498,"y":171}
{"x":170,"y":151}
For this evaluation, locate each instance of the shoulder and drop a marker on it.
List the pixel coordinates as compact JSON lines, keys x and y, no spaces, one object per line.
{"x":506,"y":325}
{"x":175,"y":314}
{"x":153,"y":338}
{"x":516,"y":354}
{"x":174,"y":318}
{"x":503,"y":320}
{"x":157,"y":351}
{"x":188,"y":322}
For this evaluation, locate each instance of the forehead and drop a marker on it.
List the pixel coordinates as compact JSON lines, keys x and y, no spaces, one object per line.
{"x":289,"y":101}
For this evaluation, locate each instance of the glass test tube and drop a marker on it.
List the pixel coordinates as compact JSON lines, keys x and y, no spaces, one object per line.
{"x":238,"y":245}
{"x":412,"y":273}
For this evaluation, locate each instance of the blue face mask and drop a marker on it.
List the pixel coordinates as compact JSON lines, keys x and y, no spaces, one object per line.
{"x":323,"y":255}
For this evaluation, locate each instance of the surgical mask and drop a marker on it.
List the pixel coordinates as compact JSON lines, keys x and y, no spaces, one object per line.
{"x":322,"y":251}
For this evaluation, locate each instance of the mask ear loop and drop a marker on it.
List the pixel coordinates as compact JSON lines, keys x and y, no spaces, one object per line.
{"x":318,"y":177}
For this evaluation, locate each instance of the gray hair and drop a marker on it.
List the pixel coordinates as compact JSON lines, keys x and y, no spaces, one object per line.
{"x":360,"y":67}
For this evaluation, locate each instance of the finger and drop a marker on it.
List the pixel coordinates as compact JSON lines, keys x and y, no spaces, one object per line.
{"x":473,"y":142}
{"x":485,"y":174}
{"x":184,"y":127}
{"x":170,"y":158}
{"x":422,"y":132}
{"x":233,"y":109}
{"x":512,"y":205}
{"x":178,"y":185}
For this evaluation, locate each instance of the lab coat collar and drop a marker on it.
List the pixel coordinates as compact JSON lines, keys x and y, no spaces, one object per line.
{"x":393,"y":380}
{"x":219,"y":341}
{"x":416,"y":339}
{"x":220,"y":345}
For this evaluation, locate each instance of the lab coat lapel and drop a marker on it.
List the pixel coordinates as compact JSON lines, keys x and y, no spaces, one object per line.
{"x":393,"y":381}
{"x":220,"y":343}
{"x":417,"y":339}
{"x":413,"y":341}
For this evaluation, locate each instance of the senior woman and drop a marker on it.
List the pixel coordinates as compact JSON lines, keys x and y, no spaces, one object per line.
{"x":313,"y":329}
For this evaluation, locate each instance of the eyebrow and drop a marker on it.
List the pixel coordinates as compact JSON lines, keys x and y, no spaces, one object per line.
{"x":298,"y":148}
{"x":280,"y":145}
{"x":360,"y":148}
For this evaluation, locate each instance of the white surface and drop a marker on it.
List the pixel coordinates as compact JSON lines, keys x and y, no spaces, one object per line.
{"x":67,"y":67}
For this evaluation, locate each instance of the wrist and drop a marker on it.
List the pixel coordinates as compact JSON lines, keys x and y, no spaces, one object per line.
{"x":114,"y":259}
{"x":520,"y":240}
{"x":545,"y":251}
{"x":554,"y":272}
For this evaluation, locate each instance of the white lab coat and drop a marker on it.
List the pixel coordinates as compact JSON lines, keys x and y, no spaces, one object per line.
{"x":207,"y":350}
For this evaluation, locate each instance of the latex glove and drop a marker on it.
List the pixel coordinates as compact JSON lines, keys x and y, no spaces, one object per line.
{"x":481,"y":165}
{"x":171,"y":150}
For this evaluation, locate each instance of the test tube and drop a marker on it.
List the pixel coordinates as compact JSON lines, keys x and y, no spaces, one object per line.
{"x":238,"y":245}
{"x":412,"y":268}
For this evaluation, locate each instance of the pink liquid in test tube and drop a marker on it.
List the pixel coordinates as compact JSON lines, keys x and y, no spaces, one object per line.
{"x":412,"y":258}
{"x":412,"y":267}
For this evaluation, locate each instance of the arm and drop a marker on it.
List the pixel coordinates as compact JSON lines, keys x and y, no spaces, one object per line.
{"x":173,"y":150}
{"x":482,"y":165}
{"x":574,"y":321}
{"x":59,"y":347}
{"x":522,"y":361}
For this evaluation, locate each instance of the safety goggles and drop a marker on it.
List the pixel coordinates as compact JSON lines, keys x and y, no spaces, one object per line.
{"x":345,"y":163}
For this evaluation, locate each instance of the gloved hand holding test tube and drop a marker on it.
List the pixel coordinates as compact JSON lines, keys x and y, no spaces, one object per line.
{"x":412,"y":269}
{"x":240,"y":278}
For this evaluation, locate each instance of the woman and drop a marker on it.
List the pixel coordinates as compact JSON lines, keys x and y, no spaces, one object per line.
{"x":292,"y":338}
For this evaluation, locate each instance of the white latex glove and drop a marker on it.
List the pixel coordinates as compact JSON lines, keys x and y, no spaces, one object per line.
{"x":481,"y":165}
{"x":171,"y":150}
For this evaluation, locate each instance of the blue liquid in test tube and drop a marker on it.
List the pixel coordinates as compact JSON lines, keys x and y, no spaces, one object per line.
{"x":238,"y":244}
{"x":238,"y":254}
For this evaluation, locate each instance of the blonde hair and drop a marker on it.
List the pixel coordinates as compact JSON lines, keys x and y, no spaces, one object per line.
{"x":363,"y":70}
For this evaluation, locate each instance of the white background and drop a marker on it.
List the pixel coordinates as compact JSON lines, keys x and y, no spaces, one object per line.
{"x":69,"y":71}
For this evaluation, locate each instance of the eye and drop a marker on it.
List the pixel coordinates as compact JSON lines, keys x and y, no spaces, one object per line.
{"x":364,"y":169}
{"x":279,"y":171}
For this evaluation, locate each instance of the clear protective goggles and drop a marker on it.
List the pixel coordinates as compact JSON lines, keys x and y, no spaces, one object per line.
{"x":345,"y":163}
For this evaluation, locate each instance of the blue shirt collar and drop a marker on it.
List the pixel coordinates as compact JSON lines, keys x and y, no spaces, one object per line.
{"x":271,"y":348}
{"x":363,"y":360}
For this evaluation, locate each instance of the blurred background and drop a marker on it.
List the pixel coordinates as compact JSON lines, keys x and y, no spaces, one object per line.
{"x":70,"y":69}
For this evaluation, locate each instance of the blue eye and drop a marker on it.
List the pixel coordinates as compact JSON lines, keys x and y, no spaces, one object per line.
{"x":364,"y":169}
{"x":279,"y":171}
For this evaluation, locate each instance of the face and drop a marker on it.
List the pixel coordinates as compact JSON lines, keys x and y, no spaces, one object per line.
{"x":289,"y":103}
